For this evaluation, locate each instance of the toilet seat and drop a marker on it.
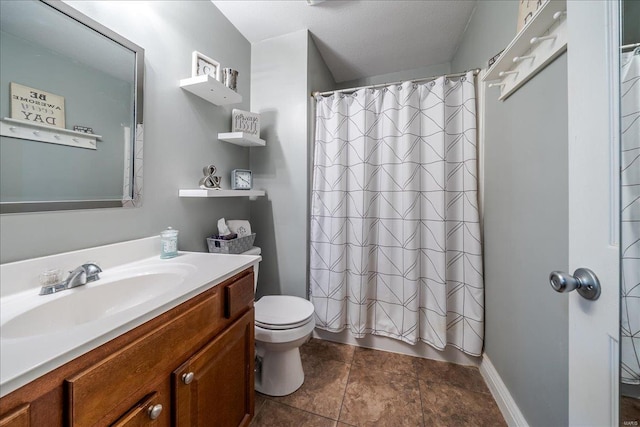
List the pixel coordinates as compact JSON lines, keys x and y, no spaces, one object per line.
{"x":280,"y":312}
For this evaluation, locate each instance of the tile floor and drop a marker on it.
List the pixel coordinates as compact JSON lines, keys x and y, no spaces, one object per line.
{"x":353,"y":386}
{"x":630,"y":411}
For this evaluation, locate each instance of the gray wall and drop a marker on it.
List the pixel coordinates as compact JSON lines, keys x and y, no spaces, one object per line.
{"x":417,"y":73}
{"x":320,"y":79}
{"x":283,"y":71}
{"x":279,"y":94}
{"x":525,"y":222}
{"x":180,"y":136}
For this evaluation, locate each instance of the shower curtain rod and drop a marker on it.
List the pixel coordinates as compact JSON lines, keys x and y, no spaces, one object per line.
{"x":353,"y":89}
{"x":630,"y":46}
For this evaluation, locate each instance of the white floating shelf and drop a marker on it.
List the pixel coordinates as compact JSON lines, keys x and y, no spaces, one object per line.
{"x":242,"y":138}
{"x":23,"y":129}
{"x":550,"y":20}
{"x":210,"y":89}
{"x":199,"y":192}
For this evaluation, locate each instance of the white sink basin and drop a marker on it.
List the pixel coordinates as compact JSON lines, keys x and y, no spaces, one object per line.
{"x":110,"y":295}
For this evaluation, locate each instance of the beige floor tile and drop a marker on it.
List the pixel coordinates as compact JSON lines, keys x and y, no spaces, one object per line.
{"x":259,"y":401}
{"x":630,"y":411}
{"x":273,"y":414}
{"x":447,"y":405}
{"x":380,"y":398}
{"x":467,"y":377}
{"x":328,"y":350}
{"x":323,"y":388}
{"x":393,"y":363}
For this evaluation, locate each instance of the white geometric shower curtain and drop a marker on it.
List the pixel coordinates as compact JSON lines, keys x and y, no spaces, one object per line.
{"x":630,"y":218}
{"x":395,"y":234}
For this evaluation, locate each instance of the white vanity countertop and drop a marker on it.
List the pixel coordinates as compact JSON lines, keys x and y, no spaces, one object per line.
{"x":26,"y":355}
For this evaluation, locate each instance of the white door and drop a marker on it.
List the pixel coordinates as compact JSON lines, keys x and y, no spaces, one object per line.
{"x":593,"y":73}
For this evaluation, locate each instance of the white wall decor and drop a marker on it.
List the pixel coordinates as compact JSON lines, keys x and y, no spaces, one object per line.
{"x":37,"y":106}
{"x":527,"y":10}
{"x":202,"y":65}
{"x":245,"y":121}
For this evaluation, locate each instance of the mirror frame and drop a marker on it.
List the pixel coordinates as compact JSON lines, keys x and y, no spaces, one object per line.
{"x":134,"y":199}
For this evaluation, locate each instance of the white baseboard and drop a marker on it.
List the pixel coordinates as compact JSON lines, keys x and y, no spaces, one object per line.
{"x":500,"y":392}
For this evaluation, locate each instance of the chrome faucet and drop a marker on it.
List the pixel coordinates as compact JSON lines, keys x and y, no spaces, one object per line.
{"x":88,"y":272}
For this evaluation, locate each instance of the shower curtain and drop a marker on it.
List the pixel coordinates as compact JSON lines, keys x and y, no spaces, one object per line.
{"x":395,"y":233}
{"x":630,"y":218}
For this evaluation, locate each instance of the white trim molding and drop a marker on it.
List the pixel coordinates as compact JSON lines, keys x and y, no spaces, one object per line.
{"x":501,"y":394}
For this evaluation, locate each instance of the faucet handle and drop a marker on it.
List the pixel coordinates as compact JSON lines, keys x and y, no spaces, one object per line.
{"x":92,"y":269}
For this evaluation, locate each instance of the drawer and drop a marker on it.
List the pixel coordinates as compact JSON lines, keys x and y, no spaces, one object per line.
{"x":238,"y":296}
{"x":153,"y":410}
{"x":17,"y":418}
{"x":130,"y":371}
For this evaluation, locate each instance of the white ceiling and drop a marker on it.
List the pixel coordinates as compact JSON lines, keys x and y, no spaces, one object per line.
{"x":360,"y":38}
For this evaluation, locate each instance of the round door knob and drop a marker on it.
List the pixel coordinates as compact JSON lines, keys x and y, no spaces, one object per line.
{"x":583,"y":280}
{"x":154,"y":411}
{"x":187,"y":378}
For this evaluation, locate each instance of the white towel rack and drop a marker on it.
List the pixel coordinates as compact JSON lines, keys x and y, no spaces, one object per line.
{"x":541,"y":41}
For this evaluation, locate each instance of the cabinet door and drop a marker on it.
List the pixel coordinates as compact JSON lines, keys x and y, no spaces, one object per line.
{"x":215,"y":386}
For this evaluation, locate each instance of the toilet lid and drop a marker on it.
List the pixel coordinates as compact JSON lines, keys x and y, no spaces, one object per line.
{"x":282,"y":312}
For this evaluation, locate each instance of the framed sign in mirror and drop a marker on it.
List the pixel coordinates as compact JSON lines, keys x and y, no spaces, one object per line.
{"x":67,"y":73}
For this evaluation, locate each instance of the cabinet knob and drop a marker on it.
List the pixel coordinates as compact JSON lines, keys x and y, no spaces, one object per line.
{"x":154,"y":411}
{"x":187,"y":378}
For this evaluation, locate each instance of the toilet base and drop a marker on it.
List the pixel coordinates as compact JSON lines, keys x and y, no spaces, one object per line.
{"x":281,"y":372}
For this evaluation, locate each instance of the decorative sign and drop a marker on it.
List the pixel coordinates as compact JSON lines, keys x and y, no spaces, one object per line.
{"x":83,"y":129}
{"x":245,"y":121}
{"x":37,"y":106}
{"x":527,"y":10}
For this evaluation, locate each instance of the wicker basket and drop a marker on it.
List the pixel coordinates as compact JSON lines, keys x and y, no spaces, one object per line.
{"x":233,"y":246}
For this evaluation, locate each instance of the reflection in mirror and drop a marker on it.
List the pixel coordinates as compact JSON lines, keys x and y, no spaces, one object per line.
{"x":630,"y":215}
{"x":70,"y":111}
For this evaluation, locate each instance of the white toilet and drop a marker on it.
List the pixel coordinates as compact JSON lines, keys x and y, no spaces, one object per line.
{"x":283,"y":323}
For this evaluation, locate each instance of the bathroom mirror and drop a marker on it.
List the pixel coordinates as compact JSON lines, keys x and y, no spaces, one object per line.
{"x":70,"y":111}
{"x":630,"y":214}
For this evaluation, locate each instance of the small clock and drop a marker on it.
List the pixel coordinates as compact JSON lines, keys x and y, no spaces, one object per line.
{"x":241,"y":179}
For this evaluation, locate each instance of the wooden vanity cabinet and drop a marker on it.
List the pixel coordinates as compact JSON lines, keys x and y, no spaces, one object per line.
{"x":191,"y":366}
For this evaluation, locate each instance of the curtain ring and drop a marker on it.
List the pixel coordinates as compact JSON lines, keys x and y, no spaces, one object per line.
{"x":433,"y":83}
{"x":446,"y":81}
{"x":399,"y":87}
{"x":385,"y":89}
{"x":415,"y":85}
{"x":463,"y":79}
